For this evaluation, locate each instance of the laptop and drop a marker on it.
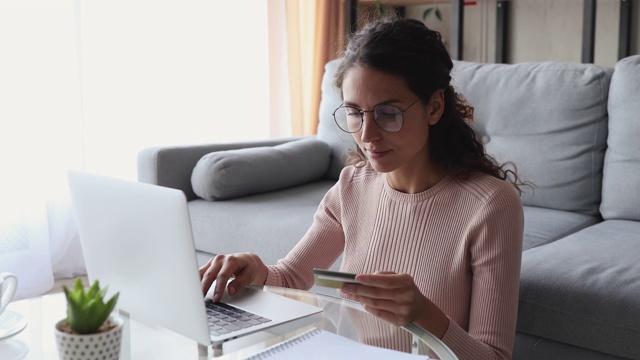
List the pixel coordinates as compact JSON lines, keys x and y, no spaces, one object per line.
{"x":136,"y":239}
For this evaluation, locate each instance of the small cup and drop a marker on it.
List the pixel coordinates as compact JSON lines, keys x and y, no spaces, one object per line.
{"x":8,"y":286}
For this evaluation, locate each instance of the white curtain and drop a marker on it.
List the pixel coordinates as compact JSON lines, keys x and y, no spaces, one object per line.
{"x":88,"y":84}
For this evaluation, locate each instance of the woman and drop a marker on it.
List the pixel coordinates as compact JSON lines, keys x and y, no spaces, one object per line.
{"x":432,"y":225}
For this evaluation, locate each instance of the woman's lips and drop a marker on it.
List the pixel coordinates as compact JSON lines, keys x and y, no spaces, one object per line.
{"x":377,"y":154}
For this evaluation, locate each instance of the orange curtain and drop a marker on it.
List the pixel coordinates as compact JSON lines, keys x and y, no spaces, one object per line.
{"x":315,"y":35}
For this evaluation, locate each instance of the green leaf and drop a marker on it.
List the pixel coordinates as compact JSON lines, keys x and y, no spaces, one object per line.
{"x":78,"y":288}
{"x":426,"y":13}
{"x":379,"y":9}
{"x":438,"y":14}
{"x":87,"y":311}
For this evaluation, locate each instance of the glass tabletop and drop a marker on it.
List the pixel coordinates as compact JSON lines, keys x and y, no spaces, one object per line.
{"x":36,"y":340}
{"x":348,"y":319}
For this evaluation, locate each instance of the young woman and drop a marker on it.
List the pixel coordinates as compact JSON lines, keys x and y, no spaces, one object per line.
{"x":432,"y":224}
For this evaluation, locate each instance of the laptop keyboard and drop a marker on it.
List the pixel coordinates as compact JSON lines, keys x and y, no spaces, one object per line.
{"x":224,"y":318}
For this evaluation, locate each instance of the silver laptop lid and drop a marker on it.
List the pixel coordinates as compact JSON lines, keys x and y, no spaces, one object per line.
{"x":136,"y":238}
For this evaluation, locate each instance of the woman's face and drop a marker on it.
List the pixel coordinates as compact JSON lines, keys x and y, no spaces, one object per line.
{"x":407,"y":150}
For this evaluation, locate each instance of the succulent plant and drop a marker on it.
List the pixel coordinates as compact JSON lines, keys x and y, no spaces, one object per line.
{"x":86,"y":310}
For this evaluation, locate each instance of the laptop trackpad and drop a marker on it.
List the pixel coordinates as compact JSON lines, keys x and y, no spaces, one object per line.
{"x":275,"y":307}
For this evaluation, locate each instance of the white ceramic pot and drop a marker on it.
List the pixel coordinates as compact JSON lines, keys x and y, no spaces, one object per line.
{"x":101,"y":346}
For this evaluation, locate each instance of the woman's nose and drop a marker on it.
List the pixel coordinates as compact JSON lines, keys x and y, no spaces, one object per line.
{"x":370,"y":130}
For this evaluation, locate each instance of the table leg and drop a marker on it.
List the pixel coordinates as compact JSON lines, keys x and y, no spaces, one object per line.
{"x":217,"y":350}
{"x":203,"y":352}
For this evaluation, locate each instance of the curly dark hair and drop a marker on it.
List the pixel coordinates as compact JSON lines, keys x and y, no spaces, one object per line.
{"x":409,"y":49}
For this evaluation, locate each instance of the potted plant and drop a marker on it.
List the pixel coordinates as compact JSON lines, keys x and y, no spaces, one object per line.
{"x":90,"y":330}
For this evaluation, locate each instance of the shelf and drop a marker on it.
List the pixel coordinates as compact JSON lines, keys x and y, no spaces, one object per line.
{"x":404,"y":2}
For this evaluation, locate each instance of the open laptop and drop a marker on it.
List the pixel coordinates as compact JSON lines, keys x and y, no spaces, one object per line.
{"x":137,"y":240}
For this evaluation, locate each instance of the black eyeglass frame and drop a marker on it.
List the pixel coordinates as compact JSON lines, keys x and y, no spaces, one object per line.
{"x":375,"y":116}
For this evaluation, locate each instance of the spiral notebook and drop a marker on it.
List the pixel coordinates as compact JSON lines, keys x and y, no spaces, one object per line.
{"x":321,"y":344}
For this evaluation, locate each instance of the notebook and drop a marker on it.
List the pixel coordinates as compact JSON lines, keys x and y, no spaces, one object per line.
{"x":136,"y":239}
{"x":320,"y":344}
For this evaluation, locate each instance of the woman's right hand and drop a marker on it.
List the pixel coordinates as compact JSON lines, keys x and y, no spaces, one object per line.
{"x":244,"y":268}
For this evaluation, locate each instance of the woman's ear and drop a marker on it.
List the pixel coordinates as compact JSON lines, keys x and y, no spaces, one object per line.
{"x":435,"y":107}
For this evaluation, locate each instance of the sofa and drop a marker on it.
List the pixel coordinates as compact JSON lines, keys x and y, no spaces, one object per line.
{"x":572,"y":130}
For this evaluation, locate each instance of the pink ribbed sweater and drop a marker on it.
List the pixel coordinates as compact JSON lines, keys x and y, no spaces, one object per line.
{"x":461,"y":240}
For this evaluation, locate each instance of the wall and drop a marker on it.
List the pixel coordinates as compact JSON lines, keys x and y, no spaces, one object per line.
{"x":479,"y":27}
{"x":479,"y":31}
{"x":532,"y":24}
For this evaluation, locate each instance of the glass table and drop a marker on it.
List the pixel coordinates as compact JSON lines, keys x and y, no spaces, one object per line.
{"x":141,"y":341}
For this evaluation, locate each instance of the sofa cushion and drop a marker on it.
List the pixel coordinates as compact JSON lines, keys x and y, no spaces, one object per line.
{"x":542,"y":226}
{"x":339,"y":141}
{"x":550,"y":119}
{"x":531,"y":347}
{"x":268,"y":224}
{"x":584,"y":290}
{"x":621,"y":179}
{"x":229,"y":174}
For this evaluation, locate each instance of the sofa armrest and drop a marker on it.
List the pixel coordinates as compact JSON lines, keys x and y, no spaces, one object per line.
{"x":171,"y":166}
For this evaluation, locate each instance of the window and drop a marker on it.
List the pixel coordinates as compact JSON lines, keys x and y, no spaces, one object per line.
{"x":88,"y":84}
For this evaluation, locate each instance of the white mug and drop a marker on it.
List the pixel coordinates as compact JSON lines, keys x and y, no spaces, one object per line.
{"x":8,"y":286}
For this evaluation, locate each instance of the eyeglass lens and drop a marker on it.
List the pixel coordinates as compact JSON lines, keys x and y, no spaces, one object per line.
{"x":388,"y":117}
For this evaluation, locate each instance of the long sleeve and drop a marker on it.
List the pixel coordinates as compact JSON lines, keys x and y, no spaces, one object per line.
{"x":319,"y":248}
{"x":495,"y":251}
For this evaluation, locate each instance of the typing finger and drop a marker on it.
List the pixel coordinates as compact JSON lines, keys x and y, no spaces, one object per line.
{"x":203,"y":269}
{"x":231,"y":267}
{"x":242,"y":278}
{"x":209,"y":272}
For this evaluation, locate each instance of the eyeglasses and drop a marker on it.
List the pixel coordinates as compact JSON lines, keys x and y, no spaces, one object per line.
{"x":389,"y":118}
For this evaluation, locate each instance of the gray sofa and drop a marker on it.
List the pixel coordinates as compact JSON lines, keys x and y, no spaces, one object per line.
{"x":571,"y":129}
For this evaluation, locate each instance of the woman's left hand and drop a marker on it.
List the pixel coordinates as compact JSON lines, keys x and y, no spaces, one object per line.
{"x":396,"y":299}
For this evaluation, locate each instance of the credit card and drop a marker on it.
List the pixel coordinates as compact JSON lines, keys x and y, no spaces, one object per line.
{"x":333,"y":279}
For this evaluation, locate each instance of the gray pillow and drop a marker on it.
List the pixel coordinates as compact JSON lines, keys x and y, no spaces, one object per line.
{"x":550,"y":119}
{"x":228,"y":174}
{"x":620,"y":195}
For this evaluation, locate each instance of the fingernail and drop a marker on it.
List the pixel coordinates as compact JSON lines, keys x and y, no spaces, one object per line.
{"x":231,"y":290}
{"x":347,"y":288}
{"x":215,"y":296}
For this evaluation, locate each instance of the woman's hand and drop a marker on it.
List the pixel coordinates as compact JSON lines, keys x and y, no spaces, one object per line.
{"x":244,"y":268}
{"x":396,"y":299}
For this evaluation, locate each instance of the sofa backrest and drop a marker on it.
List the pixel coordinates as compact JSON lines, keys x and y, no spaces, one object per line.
{"x":550,"y":120}
{"x":339,"y":141}
{"x":621,"y":179}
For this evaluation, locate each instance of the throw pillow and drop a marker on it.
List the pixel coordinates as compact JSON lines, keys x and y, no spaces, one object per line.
{"x":229,"y":174}
{"x":548,"y":118}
